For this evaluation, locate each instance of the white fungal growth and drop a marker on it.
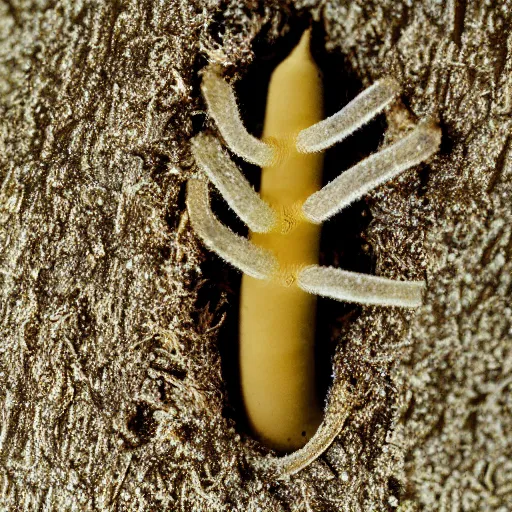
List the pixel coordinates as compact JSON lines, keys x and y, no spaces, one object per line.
{"x":250,"y":259}
{"x":357,"y":113}
{"x":361,"y":288}
{"x":222,"y":106}
{"x":233,"y":186}
{"x":378,"y":168}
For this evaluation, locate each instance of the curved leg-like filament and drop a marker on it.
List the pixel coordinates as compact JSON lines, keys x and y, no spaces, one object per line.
{"x":249,"y":258}
{"x":361,"y":288}
{"x":233,"y":186}
{"x":335,"y":418}
{"x":378,"y":168}
{"x":222,"y":106}
{"x":357,"y":113}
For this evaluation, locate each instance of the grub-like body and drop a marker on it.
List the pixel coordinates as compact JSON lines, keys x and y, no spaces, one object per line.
{"x":277,"y":318}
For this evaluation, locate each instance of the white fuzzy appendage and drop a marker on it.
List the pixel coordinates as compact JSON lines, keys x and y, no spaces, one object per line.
{"x":357,"y":113}
{"x":361,"y":288}
{"x":222,"y":106}
{"x":249,"y":258}
{"x":233,"y":186}
{"x":375,"y":170}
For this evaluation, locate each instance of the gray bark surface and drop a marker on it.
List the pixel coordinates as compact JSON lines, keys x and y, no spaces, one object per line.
{"x":111,"y":389}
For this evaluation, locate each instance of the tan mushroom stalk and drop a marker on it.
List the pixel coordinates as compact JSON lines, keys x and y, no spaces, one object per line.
{"x":277,"y":320}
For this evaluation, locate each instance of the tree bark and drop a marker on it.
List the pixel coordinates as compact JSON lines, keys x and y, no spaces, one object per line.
{"x":112,"y":367}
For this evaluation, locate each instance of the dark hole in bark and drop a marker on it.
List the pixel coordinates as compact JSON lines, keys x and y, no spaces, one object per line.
{"x":342,"y":242}
{"x":394,"y":487}
{"x":175,"y":212}
{"x":142,"y":423}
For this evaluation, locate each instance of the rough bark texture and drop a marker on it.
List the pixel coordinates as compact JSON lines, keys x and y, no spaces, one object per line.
{"x":112,"y":392}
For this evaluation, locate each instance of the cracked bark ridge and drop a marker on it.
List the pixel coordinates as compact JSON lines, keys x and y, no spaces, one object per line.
{"x":110,"y":379}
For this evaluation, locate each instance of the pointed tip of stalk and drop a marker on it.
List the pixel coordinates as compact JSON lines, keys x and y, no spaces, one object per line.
{"x":302,"y":50}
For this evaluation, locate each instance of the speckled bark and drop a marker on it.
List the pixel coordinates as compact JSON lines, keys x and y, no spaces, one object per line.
{"x":110,"y":375}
